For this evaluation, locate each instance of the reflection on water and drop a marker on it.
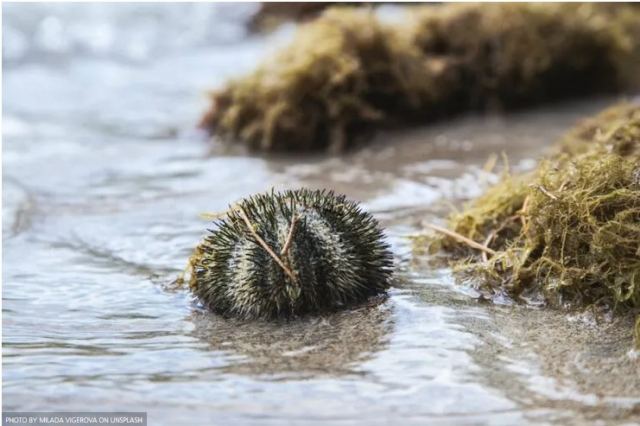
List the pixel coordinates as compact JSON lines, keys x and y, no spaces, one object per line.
{"x":331,"y":345}
{"x":104,"y":181}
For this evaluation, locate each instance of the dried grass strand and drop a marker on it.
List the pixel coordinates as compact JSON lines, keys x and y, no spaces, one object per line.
{"x":263,"y":244}
{"x":461,"y":238}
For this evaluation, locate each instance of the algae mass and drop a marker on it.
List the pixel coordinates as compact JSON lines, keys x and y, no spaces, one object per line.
{"x":348,"y":73}
{"x":570,"y":229}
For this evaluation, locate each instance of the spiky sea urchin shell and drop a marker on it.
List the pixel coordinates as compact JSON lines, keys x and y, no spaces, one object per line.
{"x":335,"y":257}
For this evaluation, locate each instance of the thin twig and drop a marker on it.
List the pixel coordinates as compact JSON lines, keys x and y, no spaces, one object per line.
{"x":523,"y":212}
{"x":461,"y":238}
{"x":491,"y":163}
{"x":545,"y":191}
{"x":492,"y":234}
{"x":212,"y":215}
{"x":262,"y":243}
{"x":497,"y":231}
{"x":287,"y":243}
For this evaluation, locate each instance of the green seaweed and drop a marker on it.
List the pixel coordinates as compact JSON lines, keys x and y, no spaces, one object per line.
{"x":569,"y":230}
{"x":347,"y":73}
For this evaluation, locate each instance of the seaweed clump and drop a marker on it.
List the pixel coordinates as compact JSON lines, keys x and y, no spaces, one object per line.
{"x":290,"y":253}
{"x":269,"y":15}
{"x":339,"y":76}
{"x":570,"y":229}
{"x":347,"y":72}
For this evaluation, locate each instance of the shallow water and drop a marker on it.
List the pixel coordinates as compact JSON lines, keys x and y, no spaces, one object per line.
{"x":104,"y":180}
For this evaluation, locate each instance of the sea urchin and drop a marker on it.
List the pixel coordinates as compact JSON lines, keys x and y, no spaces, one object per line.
{"x":281,"y":254}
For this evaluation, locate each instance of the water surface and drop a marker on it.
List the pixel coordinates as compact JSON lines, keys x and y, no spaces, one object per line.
{"x":104,"y":180}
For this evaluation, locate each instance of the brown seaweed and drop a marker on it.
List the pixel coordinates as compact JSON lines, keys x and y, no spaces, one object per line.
{"x":347,"y":73}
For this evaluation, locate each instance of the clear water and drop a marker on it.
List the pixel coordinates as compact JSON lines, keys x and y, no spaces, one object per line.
{"x":105,"y":177}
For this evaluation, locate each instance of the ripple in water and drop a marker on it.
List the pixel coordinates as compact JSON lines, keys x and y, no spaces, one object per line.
{"x":105,"y":179}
